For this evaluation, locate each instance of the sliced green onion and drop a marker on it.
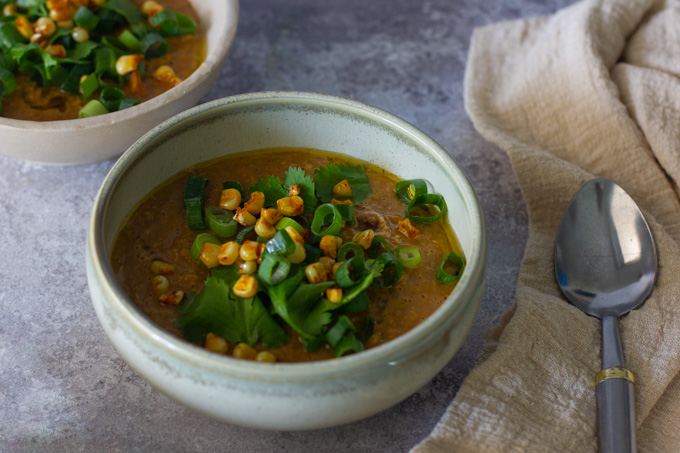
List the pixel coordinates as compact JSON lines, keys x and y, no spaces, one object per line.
{"x":286,"y":222}
{"x":343,"y":276}
{"x":85,"y":18}
{"x":409,"y":189}
{"x":274,"y":269}
{"x":221,"y":222}
{"x":349,"y":250}
{"x":197,"y":246}
{"x":105,"y":60}
{"x":329,"y":217}
{"x":313,"y":344}
{"x":409,"y":256}
{"x":114,"y":44}
{"x":89,"y":86}
{"x":130,"y":41}
{"x":111,"y":97}
{"x":172,"y":23}
{"x":92,"y":108}
{"x":72,"y":82}
{"x":458,"y":263}
{"x":240,"y":237}
{"x":128,"y":102}
{"x":379,"y":246}
{"x":281,"y":244}
{"x":421,"y":201}
{"x":335,"y":333}
{"x":391,"y":272}
{"x":193,"y":202}
{"x":153,"y":46}
{"x":9,"y":36}
{"x":349,"y":343}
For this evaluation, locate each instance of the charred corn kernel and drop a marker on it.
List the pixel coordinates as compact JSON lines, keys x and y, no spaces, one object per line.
{"x":209,"y":254}
{"x":82,"y":79}
{"x":172,"y":298}
{"x":57,"y":4}
{"x":334,"y":201}
{"x":247,"y":268}
{"x":342,"y":189}
{"x":136,"y":82}
{"x":79,"y":34}
{"x":407,"y":228}
{"x":166,"y":75}
{"x":298,"y":255}
{"x":329,"y":245}
{"x":36,"y":38}
{"x":60,"y":15}
{"x":271,"y":215}
{"x":255,"y":203}
{"x":46,"y":27}
{"x":245,"y":287}
{"x":230,"y":199}
{"x":160,"y":284}
{"x":128,"y":63}
{"x":316,"y":273}
{"x":260,"y":250}
{"x":335,"y":268}
{"x":327,"y":263}
{"x":159,"y":267}
{"x":295,"y":235}
{"x":228,"y":253}
{"x":150,"y":8}
{"x":290,"y":206}
{"x":248,"y":251}
{"x":216,"y":344}
{"x":265,"y":356}
{"x":9,"y":9}
{"x":244,"y":351}
{"x":24,"y":27}
{"x":56,"y":50}
{"x":244,"y":217}
{"x":364,"y":239}
{"x":264,"y":229}
{"x":294,"y":190}
{"x":334,"y":295}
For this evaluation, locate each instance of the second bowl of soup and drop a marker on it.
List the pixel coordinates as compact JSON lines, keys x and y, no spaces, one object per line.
{"x":329,"y":239}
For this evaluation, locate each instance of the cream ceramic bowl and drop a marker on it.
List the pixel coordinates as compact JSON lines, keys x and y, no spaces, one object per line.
{"x":284,"y":396}
{"x":88,"y":140}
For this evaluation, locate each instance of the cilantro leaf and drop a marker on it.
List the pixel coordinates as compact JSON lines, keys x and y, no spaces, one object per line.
{"x":217,"y":310}
{"x":296,"y":175}
{"x":327,"y":177}
{"x":271,"y":188}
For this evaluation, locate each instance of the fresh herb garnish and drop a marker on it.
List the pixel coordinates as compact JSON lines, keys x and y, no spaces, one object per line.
{"x":272,"y":189}
{"x":330,"y":175}
{"x":296,"y":175}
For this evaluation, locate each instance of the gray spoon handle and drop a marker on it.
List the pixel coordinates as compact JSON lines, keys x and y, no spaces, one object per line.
{"x":616,"y":416}
{"x":615,"y":394}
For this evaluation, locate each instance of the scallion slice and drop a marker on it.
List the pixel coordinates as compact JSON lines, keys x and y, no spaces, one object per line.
{"x":421,"y":201}
{"x":349,"y":343}
{"x":281,"y":244}
{"x":172,"y":23}
{"x":197,"y":246}
{"x":7,"y":82}
{"x":378,"y":247}
{"x":221,"y":222}
{"x":274,"y":269}
{"x":85,"y":18}
{"x":349,"y":250}
{"x":343,"y":276}
{"x":153,"y":45}
{"x":452,"y":259}
{"x":409,"y":256}
{"x":391,"y":272}
{"x":89,"y":86}
{"x":130,"y":41}
{"x":128,"y":102}
{"x":112,"y":97}
{"x":241,"y":236}
{"x":193,"y":202}
{"x":327,"y":221}
{"x":409,"y":189}
{"x":341,"y":327}
{"x":286,"y":222}
{"x":92,"y":108}
{"x":233,"y":185}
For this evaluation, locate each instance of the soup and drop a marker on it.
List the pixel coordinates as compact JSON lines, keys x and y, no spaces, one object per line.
{"x":400,"y":260}
{"x":102,"y":55}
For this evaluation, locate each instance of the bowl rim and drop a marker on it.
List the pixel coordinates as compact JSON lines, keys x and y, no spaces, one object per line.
{"x":212,"y":61}
{"x":389,"y":352}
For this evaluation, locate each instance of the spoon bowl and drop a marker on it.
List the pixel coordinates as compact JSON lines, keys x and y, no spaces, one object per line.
{"x":605,"y":264}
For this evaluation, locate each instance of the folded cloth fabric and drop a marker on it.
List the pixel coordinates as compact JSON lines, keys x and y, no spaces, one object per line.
{"x":593,"y":90}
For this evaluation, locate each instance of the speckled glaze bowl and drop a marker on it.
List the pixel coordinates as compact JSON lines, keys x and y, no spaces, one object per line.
{"x":285,"y":396}
{"x":88,"y":140}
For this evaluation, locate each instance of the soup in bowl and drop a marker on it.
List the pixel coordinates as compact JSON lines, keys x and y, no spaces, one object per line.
{"x":367,"y":259}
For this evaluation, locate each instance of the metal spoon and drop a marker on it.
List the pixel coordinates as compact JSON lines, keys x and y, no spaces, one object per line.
{"x":605,"y":263}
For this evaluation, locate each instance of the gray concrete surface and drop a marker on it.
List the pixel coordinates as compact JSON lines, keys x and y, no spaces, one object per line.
{"x":62,"y":385}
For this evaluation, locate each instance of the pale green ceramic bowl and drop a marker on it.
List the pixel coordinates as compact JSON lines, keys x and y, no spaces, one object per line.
{"x":285,"y":396}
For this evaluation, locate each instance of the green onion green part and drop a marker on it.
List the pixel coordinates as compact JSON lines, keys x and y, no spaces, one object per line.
{"x":92,"y":108}
{"x":193,"y":202}
{"x":221,"y":222}
{"x":241,"y":236}
{"x":281,"y":244}
{"x":349,"y":250}
{"x":197,"y":246}
{"x":274,"y":269}
{"x":327,"y":221}
{"x":85,"y":18}
{"x":409,"y":256}
{"x":130,"y":41}
{"x":454,"y":260}
{"x":286,"y":222}
{"x":422,"y":202}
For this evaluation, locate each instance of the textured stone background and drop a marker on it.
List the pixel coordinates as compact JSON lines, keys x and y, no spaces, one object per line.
{"x":62,"y":385}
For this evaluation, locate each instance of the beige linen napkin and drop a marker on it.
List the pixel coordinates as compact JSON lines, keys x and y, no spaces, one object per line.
{"x":593,"y":90}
